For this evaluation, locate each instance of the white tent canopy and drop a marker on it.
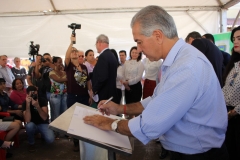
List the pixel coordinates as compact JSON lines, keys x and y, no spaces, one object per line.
{"x":45,"y":22}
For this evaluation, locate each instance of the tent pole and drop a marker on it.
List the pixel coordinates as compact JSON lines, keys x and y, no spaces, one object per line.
{"x":190,"y":15}
{"x":54,"y":8}
{"x":235,"y":21}
{"x":223,"y":20}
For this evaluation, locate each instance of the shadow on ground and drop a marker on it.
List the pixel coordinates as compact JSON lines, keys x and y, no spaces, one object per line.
{"x":62,"y":149}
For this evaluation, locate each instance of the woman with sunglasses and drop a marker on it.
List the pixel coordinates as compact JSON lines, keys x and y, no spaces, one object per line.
{"x":231,"y":91}
{"x":79,"y":88}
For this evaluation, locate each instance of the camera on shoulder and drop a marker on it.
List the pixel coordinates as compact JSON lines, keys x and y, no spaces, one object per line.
{"x":33,"y":50}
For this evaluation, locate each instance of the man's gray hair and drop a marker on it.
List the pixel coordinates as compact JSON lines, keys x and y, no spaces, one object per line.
{"x":152,"y":18}
{"x":16,"y":59}
{"x":103,"y":38}
{"x":80,"y":51}
{"x":3,"y":56}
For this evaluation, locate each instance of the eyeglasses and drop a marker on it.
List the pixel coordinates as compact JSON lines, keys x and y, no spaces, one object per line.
{"x":81,"y":56}
{"x":74,"y":50}
{"x":232,"y":81}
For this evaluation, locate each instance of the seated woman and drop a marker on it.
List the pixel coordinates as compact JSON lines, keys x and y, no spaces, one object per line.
{"x":7,"y":105}
{"x":18,"y":95}
{"x":12,"y":129}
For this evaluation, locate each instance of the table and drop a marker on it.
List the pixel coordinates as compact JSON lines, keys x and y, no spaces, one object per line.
{"x":61,"y":125}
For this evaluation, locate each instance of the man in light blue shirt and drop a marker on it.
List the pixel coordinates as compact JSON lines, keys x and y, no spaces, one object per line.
{"x":6,"y":73}
{"x":187,"y":111}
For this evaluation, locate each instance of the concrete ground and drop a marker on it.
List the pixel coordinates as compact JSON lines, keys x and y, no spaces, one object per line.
{"x":62,"y":150}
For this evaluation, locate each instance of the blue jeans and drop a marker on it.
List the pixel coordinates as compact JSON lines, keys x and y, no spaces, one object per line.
{"x":73,"y":98}
{"x":46,"y":133}
{"x":58,"y":103}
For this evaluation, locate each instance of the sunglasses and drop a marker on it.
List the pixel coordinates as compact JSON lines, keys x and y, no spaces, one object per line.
{"x":81,"y":56}
{"x":74,"y":50}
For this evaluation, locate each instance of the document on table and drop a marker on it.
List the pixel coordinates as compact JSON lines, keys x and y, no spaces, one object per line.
{"x":109,"y":138}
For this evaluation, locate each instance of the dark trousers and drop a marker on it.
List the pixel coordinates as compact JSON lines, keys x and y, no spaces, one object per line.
{"x":233,"y":137}
{"x":134,"y":94}
{"x":212,"y":154}
{"x":73,"y":98}
{"x":119,"y":93}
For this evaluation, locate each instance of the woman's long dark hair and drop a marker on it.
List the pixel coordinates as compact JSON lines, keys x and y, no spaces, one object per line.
{"x":139,"y":56}
{"x":234,"y":58}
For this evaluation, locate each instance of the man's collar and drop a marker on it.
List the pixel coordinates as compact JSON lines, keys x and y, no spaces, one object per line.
{"x":17,"y":68}
{"x":173,"y":52}
{"x":103,"y":50}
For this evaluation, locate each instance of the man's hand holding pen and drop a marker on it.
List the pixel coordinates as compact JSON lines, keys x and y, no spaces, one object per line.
{"x":108,"y":108}
{"x":105,"y":107}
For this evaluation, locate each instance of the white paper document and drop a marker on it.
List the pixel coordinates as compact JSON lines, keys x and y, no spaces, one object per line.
{"x":109,"y":138}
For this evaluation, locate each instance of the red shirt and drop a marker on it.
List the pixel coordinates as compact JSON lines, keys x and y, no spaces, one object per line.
{"x":18,"y":97}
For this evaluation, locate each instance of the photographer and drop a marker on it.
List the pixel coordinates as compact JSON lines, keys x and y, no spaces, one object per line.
{"x":79,"y":88}
{"x":35,"y":112}
{"x":44,"y":83}
{"x":43,"y":74}
{"x":31,"y":78}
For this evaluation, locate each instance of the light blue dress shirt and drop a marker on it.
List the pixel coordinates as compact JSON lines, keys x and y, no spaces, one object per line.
{"x":6,"y":73}
{"x":187,"y":111}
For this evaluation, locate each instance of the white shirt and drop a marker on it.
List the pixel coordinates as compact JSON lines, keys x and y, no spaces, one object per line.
{"x":151,"y":69}
{"x":6,"y":73}
{"x":89,"y":66}
{"x":133,"y":71}
{"x":119,"y":77}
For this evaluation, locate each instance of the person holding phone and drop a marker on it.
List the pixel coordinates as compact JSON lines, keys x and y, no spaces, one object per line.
{"x":35,"y":112}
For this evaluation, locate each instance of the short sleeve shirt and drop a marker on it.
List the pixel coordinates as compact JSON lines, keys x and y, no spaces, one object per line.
{"x":35,"y":117}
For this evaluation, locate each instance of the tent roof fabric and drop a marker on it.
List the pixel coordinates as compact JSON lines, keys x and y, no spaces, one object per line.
{"x":23,"y":21}
{"x":38,"y":6}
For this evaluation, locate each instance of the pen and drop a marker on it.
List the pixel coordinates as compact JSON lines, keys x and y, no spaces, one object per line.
{"x":106,"y":102}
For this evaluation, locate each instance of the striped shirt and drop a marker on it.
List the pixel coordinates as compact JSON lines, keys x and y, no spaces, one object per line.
{"x":187,"y":111}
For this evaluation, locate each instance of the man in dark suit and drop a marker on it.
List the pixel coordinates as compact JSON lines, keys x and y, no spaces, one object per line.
{"x":105,"y":71}
{"x":226,"y":56}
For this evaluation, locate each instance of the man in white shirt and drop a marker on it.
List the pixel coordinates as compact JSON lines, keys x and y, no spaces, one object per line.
{"x":122,"y":55}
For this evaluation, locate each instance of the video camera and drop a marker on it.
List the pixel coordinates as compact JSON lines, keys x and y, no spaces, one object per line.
{"x":74,"y":26}
{"x":33,"y":49}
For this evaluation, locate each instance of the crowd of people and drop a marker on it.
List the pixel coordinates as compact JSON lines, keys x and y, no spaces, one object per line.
{"x":189,"y":90}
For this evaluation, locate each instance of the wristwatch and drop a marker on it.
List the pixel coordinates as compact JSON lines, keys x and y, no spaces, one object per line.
{"x":114,"y":125}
